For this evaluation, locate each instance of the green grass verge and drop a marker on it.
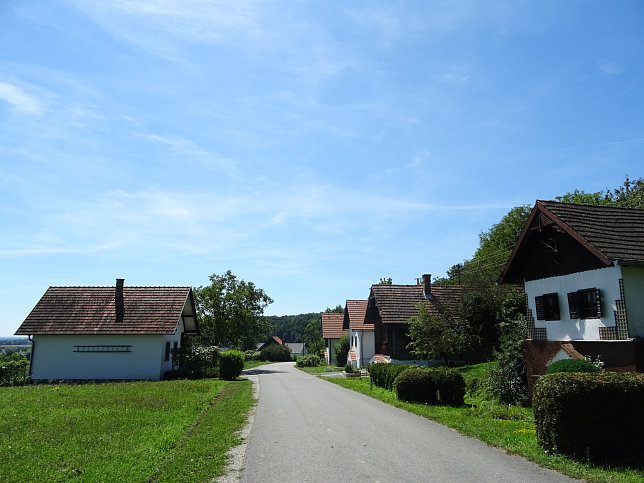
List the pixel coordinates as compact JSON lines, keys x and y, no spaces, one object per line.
{"x":321,"y":369}
{"x":136,"y":431}
{"x":510,"y":428}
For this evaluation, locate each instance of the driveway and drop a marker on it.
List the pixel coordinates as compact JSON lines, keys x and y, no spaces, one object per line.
{"x":307,"y":429}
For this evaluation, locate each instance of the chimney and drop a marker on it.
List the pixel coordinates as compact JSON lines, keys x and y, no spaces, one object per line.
{"x":427,"y":286}
{"x":118,"y":300}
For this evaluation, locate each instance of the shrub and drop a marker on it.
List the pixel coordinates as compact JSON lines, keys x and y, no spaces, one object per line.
{"x":384,"y":375}
{"x":508,"y":380}
{"x":348,"y":368}
{"x":594,"y":416}
{"x":251,"y":355}
{"x":14,"y":370}
{"x":450,"y":385}
{"x":572,"y":365}
{"x":342,"y":350}
{"x":195,"y":361}
{"x":231,"y":364}
{"x":275,"y":353}
{"x":416,"y":385}
{"x":309,"y":360}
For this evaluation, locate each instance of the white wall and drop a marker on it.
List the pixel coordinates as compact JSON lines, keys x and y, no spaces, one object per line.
{"x":364,"y":346}
{"x":605,"y":279}
{"x":54,"y":357}
{"x":634,"y":296}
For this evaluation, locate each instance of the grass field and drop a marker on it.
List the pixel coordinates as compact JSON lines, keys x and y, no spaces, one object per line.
{"x":136,"y":431}
{"x":508,"y":427}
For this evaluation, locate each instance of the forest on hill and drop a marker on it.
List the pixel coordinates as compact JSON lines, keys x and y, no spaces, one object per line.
{"x":290,"y":328}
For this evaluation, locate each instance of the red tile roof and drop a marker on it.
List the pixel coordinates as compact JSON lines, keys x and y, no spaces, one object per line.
{"x":332,"y":326}
{"x":396,"y":304}
{"x":92,"y":310}
{"x":355,"y":312}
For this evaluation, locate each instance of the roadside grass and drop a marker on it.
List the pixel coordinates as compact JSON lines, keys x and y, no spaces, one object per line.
{"x":321,"y":369}
{"x":510,"y":428}
{"x":135,"y":431}
{"x":252,"y":364}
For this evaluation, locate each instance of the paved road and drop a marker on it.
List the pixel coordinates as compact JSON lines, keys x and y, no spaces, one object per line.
{"x":307,"y":429}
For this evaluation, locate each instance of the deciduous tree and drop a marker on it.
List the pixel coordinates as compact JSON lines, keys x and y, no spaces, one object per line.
{"x":231,"y":312}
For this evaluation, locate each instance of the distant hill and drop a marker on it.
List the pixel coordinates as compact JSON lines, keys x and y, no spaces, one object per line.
{"x":290,"y":328}
{"x":14,"y":341}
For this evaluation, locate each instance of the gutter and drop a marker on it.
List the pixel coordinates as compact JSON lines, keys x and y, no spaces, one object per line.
{"x":31,"y":356}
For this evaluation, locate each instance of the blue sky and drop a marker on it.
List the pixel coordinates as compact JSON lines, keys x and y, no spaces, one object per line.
{"x":310,"y":147}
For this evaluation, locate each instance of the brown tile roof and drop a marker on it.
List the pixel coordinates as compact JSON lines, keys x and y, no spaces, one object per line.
{"x":609,"y":233}
{"x":332,"y":326}
{"x":91,"y":310}
{"x":616,"y":232}
{"x":355,"y":312}
{"x":396,"y":304}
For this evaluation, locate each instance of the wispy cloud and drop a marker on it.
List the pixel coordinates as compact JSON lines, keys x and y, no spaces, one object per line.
{"x":20,"y":100}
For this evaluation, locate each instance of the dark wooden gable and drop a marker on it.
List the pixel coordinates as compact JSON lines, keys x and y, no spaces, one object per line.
{"x":549,"y":247}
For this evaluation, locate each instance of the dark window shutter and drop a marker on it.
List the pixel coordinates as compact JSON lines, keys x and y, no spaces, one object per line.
{"x":538,"y":301}
{"x":553,"y":312}
{"x":598,"y":303}
{"x":573,"y":305}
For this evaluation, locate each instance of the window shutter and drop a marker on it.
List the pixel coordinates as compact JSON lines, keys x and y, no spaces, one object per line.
{"x":554,"y":300}
{"x":538,"y":301}
{"x":573,"y":305}
{"x":598,"y":303}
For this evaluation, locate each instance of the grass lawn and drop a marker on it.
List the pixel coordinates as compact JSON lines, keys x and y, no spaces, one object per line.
{"x":510,"y":428}
{"x":321,"y":369}
{"x":135,"y":431}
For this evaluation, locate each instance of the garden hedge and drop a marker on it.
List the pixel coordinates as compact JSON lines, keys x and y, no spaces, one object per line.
{"x":275,"y":353}
{"x":309,"y":360}
{"x":416,"y":385}
{"x":571,"y":365}
{"x":231,"y":364}
{"x":450,"y":385}
{"x":384,"y":375}
{"x":591,"y":416}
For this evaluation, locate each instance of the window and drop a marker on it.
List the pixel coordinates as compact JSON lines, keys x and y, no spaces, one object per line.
{"x":547,"y":306}
{"x":585,"y":304}
{"x":167,"y":351}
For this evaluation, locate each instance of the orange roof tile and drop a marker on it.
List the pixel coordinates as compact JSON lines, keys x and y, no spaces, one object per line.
{"x":332,"y":326}
{"x":354,"y":314}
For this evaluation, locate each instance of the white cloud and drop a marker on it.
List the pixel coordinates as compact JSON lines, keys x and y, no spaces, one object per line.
{"x":20,"y":100}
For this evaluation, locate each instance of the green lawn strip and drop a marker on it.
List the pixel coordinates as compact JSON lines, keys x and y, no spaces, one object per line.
{"x":120,"y":431}
{"x":321,"y":369}
{"x":201,"y":454}
{"x":253,"y":364}
{"x":516,"y":435}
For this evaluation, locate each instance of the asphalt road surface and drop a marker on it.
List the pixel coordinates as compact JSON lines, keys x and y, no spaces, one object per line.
{"x":309,"y":430}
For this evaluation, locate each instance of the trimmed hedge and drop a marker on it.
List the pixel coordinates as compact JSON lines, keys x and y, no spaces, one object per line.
{"x":384,"y":375}
{"x":309,"y":360}
{"x":231,"y":364}
{"x":571,"y":365}
{"x":416,"y":385}
{"x":591,"y":416}
{"x":450,"y":385}
{"x":275,"y":353}
{"x":431,"y":386}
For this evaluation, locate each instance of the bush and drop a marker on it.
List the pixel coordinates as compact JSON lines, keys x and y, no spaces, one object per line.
{"x":384,"y":375}
{"x":14,"y":370}
{"x":416,"y":385}
{"x":450,"y":385}
{"x":348,"y":368}
{"x":275,"y":353}
{"x":309,"y":360}
{"x":572,"y":365}
{"x":508,"y":380}
{"x":594,"y":416}
{"x":195,"y":361}
{"x":251,"y":355}
{"x":231,"y":364}
{"x":342,"y":350}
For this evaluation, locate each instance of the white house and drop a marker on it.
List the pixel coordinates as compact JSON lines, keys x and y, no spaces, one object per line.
{"x":331,"y":332}
{"x":361,"y":335}
{"x":583,"y":271}
{"x":114,"y":333}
